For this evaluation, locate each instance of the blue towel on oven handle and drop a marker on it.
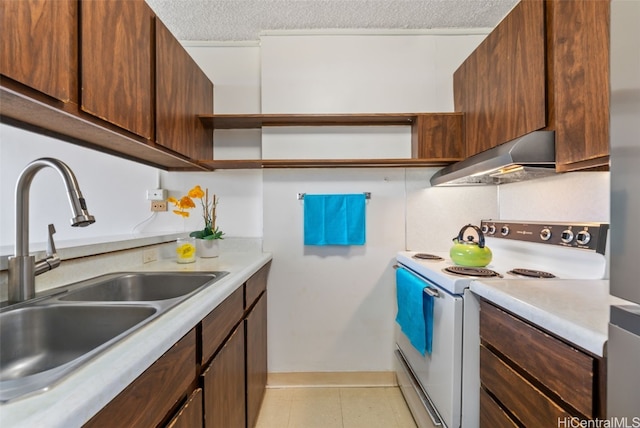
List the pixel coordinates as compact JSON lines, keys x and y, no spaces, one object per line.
{"x":415,"y":310}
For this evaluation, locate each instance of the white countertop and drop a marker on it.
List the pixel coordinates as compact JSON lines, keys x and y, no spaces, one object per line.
{"x":576,"y":310}
{"x":76,"y":398}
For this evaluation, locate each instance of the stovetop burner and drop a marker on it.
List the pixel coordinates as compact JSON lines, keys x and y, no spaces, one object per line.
{"x":472,"y":271}
{"x":425,"y":256}
{"x":530,"y":273}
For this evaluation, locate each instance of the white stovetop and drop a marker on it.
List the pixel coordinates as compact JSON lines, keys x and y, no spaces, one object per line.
{"x":576,"y":310}
{"x":76,"y":398}
{"x":574,"y":305}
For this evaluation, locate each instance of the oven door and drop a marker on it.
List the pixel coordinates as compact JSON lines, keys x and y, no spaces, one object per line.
{"x":439,"y":375}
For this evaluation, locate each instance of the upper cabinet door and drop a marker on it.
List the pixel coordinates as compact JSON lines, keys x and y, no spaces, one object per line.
{"x":116,"y":71}
{"x":39,"y":45}
{"x":501,"y":86}
{"x":578,"y":52}
{"x":183,"y":92}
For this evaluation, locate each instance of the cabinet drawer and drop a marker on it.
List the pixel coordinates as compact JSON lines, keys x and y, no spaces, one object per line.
{"x":527,"y":403}
{"x":190,"y":414}
{"x":146,"y":401}
{"x":564,"y":370}
{"x":491,"y":414}
{"x":256,"y":285}
{"x":218,"y":324}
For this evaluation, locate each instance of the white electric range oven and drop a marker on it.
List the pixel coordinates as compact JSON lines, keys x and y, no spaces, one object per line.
{"x":442,"y":388}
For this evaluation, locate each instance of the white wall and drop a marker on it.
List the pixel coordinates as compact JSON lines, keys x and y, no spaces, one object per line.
{"x":235,"y":71}
{"x":115,"y":189}
{"x":355,"y":74}
{"x":362,"y":73}
{"x":333,"y":308}
{"x":240,"y":201}
{"x":436,"y":214}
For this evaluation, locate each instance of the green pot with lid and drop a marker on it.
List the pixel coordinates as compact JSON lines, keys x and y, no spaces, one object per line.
{"x":469,"y":251}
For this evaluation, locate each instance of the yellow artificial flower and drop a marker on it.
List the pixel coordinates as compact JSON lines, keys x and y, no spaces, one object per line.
{"x":196,"y":192}
{"x":209,"y":206}
{"x":186,"y":202}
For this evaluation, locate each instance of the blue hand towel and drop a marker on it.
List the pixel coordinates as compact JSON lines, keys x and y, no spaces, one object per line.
{"x":334,"y":219}
{"x":415,"y":310}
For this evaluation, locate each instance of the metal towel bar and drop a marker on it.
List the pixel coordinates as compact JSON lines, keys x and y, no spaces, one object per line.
{"x":367,"y":195}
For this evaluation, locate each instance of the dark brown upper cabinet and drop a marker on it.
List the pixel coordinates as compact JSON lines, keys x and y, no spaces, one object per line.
{"x":578,"y":61}
{"x":545,"y":66}
{"x":116,"y":63}
{"x":183,"y":92}
{"x":83,"y":71}
{"x":501,"y":86}
{"x":39,"y":45}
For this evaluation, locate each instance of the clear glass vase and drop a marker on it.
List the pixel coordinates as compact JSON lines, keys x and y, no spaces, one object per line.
{"x":186,"y":250}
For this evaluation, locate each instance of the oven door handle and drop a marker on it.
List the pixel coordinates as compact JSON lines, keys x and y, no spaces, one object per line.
{"x":431,"y":291}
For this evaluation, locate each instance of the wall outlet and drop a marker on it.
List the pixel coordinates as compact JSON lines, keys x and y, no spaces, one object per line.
{"x":157,"y":194}
{"x":158,"y":205}
{"x":150,"y":255}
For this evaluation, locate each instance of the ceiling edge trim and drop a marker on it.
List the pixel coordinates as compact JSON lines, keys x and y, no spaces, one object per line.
{"x":378,"y":32}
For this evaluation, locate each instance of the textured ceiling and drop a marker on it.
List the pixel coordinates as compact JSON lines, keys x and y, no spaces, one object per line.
{"x":245,"y":20}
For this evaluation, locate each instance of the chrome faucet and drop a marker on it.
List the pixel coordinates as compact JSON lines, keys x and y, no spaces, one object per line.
{"x":22,"y":267}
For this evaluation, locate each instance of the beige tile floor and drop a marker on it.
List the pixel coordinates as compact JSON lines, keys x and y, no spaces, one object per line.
{"x":379,"y":407}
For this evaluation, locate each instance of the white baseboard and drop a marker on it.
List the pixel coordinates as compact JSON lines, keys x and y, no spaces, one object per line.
{"x":331,"y":379}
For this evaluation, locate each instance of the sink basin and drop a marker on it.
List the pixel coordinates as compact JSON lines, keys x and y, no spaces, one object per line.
{"x":46,"y":338}
{"x":40,"y":344}
{"x":145,"y":286}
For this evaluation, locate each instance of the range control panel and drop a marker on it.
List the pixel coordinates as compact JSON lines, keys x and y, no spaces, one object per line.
{"x":586,"y":236}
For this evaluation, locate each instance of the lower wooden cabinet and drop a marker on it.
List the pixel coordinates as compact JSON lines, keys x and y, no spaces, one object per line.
{"x":146,"y":401}
{"x":224,"y":385}
{"x":531,"y":378}
{"x":190,"y":414}
{"x":491,"y":414}
{"x":256,"y":343}
{"x":214,"y":377}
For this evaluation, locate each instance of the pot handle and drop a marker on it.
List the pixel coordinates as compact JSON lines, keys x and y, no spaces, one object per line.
{"x":478,"y":231}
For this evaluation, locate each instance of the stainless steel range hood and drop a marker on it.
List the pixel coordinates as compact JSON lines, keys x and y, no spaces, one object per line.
{"x":530,"y":156}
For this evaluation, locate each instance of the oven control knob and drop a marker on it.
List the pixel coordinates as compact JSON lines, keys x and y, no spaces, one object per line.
{"x":484,"y":228}
{"x":566,"y":236}
{"x":583,"y":237}
{"x":545,"y":234}
{"x":504,"y":230}
{"x":492,"y":229}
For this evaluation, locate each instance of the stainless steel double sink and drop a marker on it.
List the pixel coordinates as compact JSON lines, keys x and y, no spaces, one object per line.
{"x":47,"y":338}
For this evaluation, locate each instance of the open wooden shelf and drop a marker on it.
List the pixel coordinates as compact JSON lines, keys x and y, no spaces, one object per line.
{"x":320,"y":163}
{"x":436,"y":138}
{"x":256,"y":121}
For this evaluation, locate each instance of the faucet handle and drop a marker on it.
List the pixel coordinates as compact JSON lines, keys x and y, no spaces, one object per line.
{"x":51,"y":261}
{"x":51,"y":246}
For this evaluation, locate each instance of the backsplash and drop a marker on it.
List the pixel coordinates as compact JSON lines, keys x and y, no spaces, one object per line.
{"x":574,"y":196}
{"x":435,"y":214}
